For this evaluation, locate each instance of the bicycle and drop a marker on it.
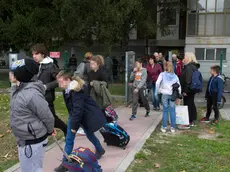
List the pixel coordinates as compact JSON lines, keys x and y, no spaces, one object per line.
{"x":223,"y":99}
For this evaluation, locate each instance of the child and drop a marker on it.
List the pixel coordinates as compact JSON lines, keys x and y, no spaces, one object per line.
{"x":164,"y":85}
{"x":30,"y":118}
{"x":139,"y":77}
{"x":213,"y":94}
{"x":83,"y":112}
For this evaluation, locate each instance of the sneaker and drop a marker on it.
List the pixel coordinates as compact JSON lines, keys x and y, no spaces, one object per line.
{"x":192,"y":124}
{"x":172,"y":130}
{"x":158,"y":109}
{"x":163,"y":129}
{"x":132,"y":117}
{"x":147,"y":114}
{"x":205,"y":120}
{"x":154,"y":108}
{"x":80,"y":132}
{"x":214,"y":122}
{"x":60,"y":168}
{"x":99,"y":154}
{"x":183,"y":127}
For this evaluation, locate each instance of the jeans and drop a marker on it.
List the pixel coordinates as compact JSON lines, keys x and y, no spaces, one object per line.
{"x":168,"y":108}
{"x":155,"y":98}
{"x":71,"y":137}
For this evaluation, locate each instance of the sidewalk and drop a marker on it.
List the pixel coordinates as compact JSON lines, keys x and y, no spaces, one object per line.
{"x":114,"y":156}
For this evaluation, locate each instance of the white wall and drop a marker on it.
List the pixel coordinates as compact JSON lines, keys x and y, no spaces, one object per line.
{"x":209,"y":42}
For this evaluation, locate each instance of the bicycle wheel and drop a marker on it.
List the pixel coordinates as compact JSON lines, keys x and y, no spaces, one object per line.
{"x":223,"y":100}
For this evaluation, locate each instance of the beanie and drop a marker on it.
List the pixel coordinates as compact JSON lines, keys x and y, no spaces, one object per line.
{"x":24,"y":70}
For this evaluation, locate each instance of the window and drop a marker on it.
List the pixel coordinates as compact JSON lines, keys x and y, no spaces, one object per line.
{"x":210,"y":53}
{"x":173,"y":19}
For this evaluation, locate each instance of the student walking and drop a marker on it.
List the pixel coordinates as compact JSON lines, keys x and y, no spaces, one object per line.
{"x":47,"y":74}
{"x":213,"y":94}
{"x":164,"y":85}
{"x":30,"y":117}
{"x":139,"y":77}
{"x":83,"y":112}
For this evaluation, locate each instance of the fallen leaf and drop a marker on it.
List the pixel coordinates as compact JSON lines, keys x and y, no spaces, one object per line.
{"x":6,"y":156}
{"x":9,"y":131}
{"x":183,"y":171}
{"x":2,"y":135}
{"x":211,"y":131}
{"x":179,"y":145}
{"x":157,"y":165}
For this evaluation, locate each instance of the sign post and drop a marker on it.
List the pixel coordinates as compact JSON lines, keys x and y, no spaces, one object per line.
{"x":55,"y":55}
{"x":221,"y":62}
{"x":12,"y":58}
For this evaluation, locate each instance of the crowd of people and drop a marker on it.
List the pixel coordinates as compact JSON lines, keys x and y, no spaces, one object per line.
{"x":32,"y":111}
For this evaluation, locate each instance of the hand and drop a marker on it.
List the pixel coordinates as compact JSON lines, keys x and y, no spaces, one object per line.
{"x":73,"y":131}
{"x":130,"y":84}
{"x":136,"y":90}
{"x":91,"y":83}
{"x":184,"y":94}
{"x":54,"y":132}
{"x":45,"y":87}
{"x":177,"y":101}
{"x":135,"y":69}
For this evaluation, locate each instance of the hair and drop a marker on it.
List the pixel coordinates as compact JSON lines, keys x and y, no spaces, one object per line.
{"x":88,"y":55}
{"x":191,"y":56}
{"x":99,"y":60}
{"x":40,"y":48}
{"x":152,"y":57}
{"x":68,"y":75}
{"x":169,"y":67}
{"x":216,"y":68}
{"x":139,"y":60}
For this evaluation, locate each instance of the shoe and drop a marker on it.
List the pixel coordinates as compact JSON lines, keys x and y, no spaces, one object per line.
{"x":192,"y":124}
{"x":215,"y":121}
{"x":158,"y":109}
{"x":183,"y":127}
{"x":60,"y":168}
{"x":132,"y":117}
{"x":154,"y":108}
{"x":147,"y":114}
{"x":172,"y":130}
{"x":99,"y":154}
{"x":205,"y":120}
{"x":80,"y":132}
{"x":163,"y":129}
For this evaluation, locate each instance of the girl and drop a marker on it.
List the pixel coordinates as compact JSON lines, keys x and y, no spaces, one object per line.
{"x":164,"y":85}
{"x":83,"y":112}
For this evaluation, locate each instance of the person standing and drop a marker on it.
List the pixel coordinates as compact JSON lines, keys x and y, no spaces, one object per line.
{"x":47,"y":74}
{"x":30,"y":117}
{"x":190,"y":65}
{"x":177,"y":65}
{"x":72,"y":63}
{"x":139,"y":78}
{"x":109,"y":68}
{"x":154,"y":70}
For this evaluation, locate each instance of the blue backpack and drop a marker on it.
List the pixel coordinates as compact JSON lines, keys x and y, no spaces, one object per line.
{"x":197,"y":82}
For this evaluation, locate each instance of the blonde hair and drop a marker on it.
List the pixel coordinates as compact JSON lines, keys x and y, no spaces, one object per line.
{"x":88,"y":55}
{"x":191,"y":57}
{"x":169,"y":67}
{"x":99,"y":60}
{"x":77,"y":84}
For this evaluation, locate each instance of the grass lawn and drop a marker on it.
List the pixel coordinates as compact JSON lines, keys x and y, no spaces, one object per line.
{"x":117,"y":89}
{"x":205,"y":148}
{"x":4,"y":80}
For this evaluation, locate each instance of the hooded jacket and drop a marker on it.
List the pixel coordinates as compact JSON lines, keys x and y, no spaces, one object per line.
{"x":186,"y":76}
{"x":30,"y":117}
{"x":47,"y":74}
{"x":82,"y":70}
{"x":139,"y":78}
{"x":165,"y":81}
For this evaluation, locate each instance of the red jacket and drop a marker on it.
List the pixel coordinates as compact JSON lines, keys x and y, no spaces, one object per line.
{"x":154,"y":72}
{"x":179,"y":67}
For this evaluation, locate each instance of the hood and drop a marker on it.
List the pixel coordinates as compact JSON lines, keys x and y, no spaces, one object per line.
{"x":38,"y":85}
{"x":47,"y":60}
{"x":169,"y":76}
{"x":196,"y":64}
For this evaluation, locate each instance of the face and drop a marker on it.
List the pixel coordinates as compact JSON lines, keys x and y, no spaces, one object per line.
{"x":151,"y":61}
{"x":37,"y":57}
{"x":93,"y":65}
{"x":185,"y":60}
{"x":174,"y":57}
{"x":63,"y":83}
{"x":138,"y":65}
{"x":212,"y":72}
{"x":12,"y":78}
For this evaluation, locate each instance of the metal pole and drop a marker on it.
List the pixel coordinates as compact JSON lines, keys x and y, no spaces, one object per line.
{"x":221,"y":62}
{"x":126,"y":78}
{"x":65,"y":60}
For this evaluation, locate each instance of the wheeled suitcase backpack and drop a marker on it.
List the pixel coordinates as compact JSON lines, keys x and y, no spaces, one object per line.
{"x":115,"y":135}
{"x":110,"y":114}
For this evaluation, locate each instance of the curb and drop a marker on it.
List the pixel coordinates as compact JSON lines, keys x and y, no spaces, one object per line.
{"x":128,"y":159}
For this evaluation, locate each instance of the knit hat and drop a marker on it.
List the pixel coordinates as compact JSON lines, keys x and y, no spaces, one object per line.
{"x":24,"y":70}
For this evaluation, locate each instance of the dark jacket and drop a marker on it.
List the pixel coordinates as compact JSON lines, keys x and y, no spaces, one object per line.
{"x":186,"y":76}
{"x":83,"y":69}
{"x":154,"y":72}
{"x":215,"y":86}
{"x":47,"y":74}
{"x":83,"y":111}
{"x":175,"y":92}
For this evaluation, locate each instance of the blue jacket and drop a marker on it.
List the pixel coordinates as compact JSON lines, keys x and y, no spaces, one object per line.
{"x":83,"y":111}
{"x":215,"y":85}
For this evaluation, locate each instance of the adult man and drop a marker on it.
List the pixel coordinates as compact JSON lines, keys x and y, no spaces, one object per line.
{"x":72,"y":63}
{"x":109,"y":67}
{"x":177,"y":64}
{"x":47,"y":74}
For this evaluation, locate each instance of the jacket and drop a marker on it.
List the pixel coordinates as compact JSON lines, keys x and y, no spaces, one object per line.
{"x":82,"y":70}
{"x":83,"y":111}
{"x":154,"y":72}
{"x":47,"y":74}
{"x":101,"y":94}
{"x":186,"y":76}
{"x":175,"y":92}
{"x":139,"y":78}
{"x":165,"y":82}
{"x":30,"y":117}
{"x":178,"y":66}
{"x":215,"y":86}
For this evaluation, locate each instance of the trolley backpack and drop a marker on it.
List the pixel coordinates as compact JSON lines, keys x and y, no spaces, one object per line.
{"x":115,"y":135}
{"x":110,"y":114}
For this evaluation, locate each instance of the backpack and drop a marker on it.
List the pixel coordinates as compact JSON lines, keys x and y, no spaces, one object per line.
{"x":197,"y":82}
{"x":110,"y":114}
{"x":84,"y":160}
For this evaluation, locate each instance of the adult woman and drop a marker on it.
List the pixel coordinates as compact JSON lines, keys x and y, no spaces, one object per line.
{"x":164,"y":85}
{"x":83,"y":111}
{"x":154,"y":69}
{"x":190,"y":65}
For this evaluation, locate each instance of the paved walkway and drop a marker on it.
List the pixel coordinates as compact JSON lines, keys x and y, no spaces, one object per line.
{"x":114,"y":156}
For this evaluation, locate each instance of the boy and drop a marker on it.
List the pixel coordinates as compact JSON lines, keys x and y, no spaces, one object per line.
{"x":139,"y":77}
{"x":213,"y":94}
{"x":30,"y":118}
